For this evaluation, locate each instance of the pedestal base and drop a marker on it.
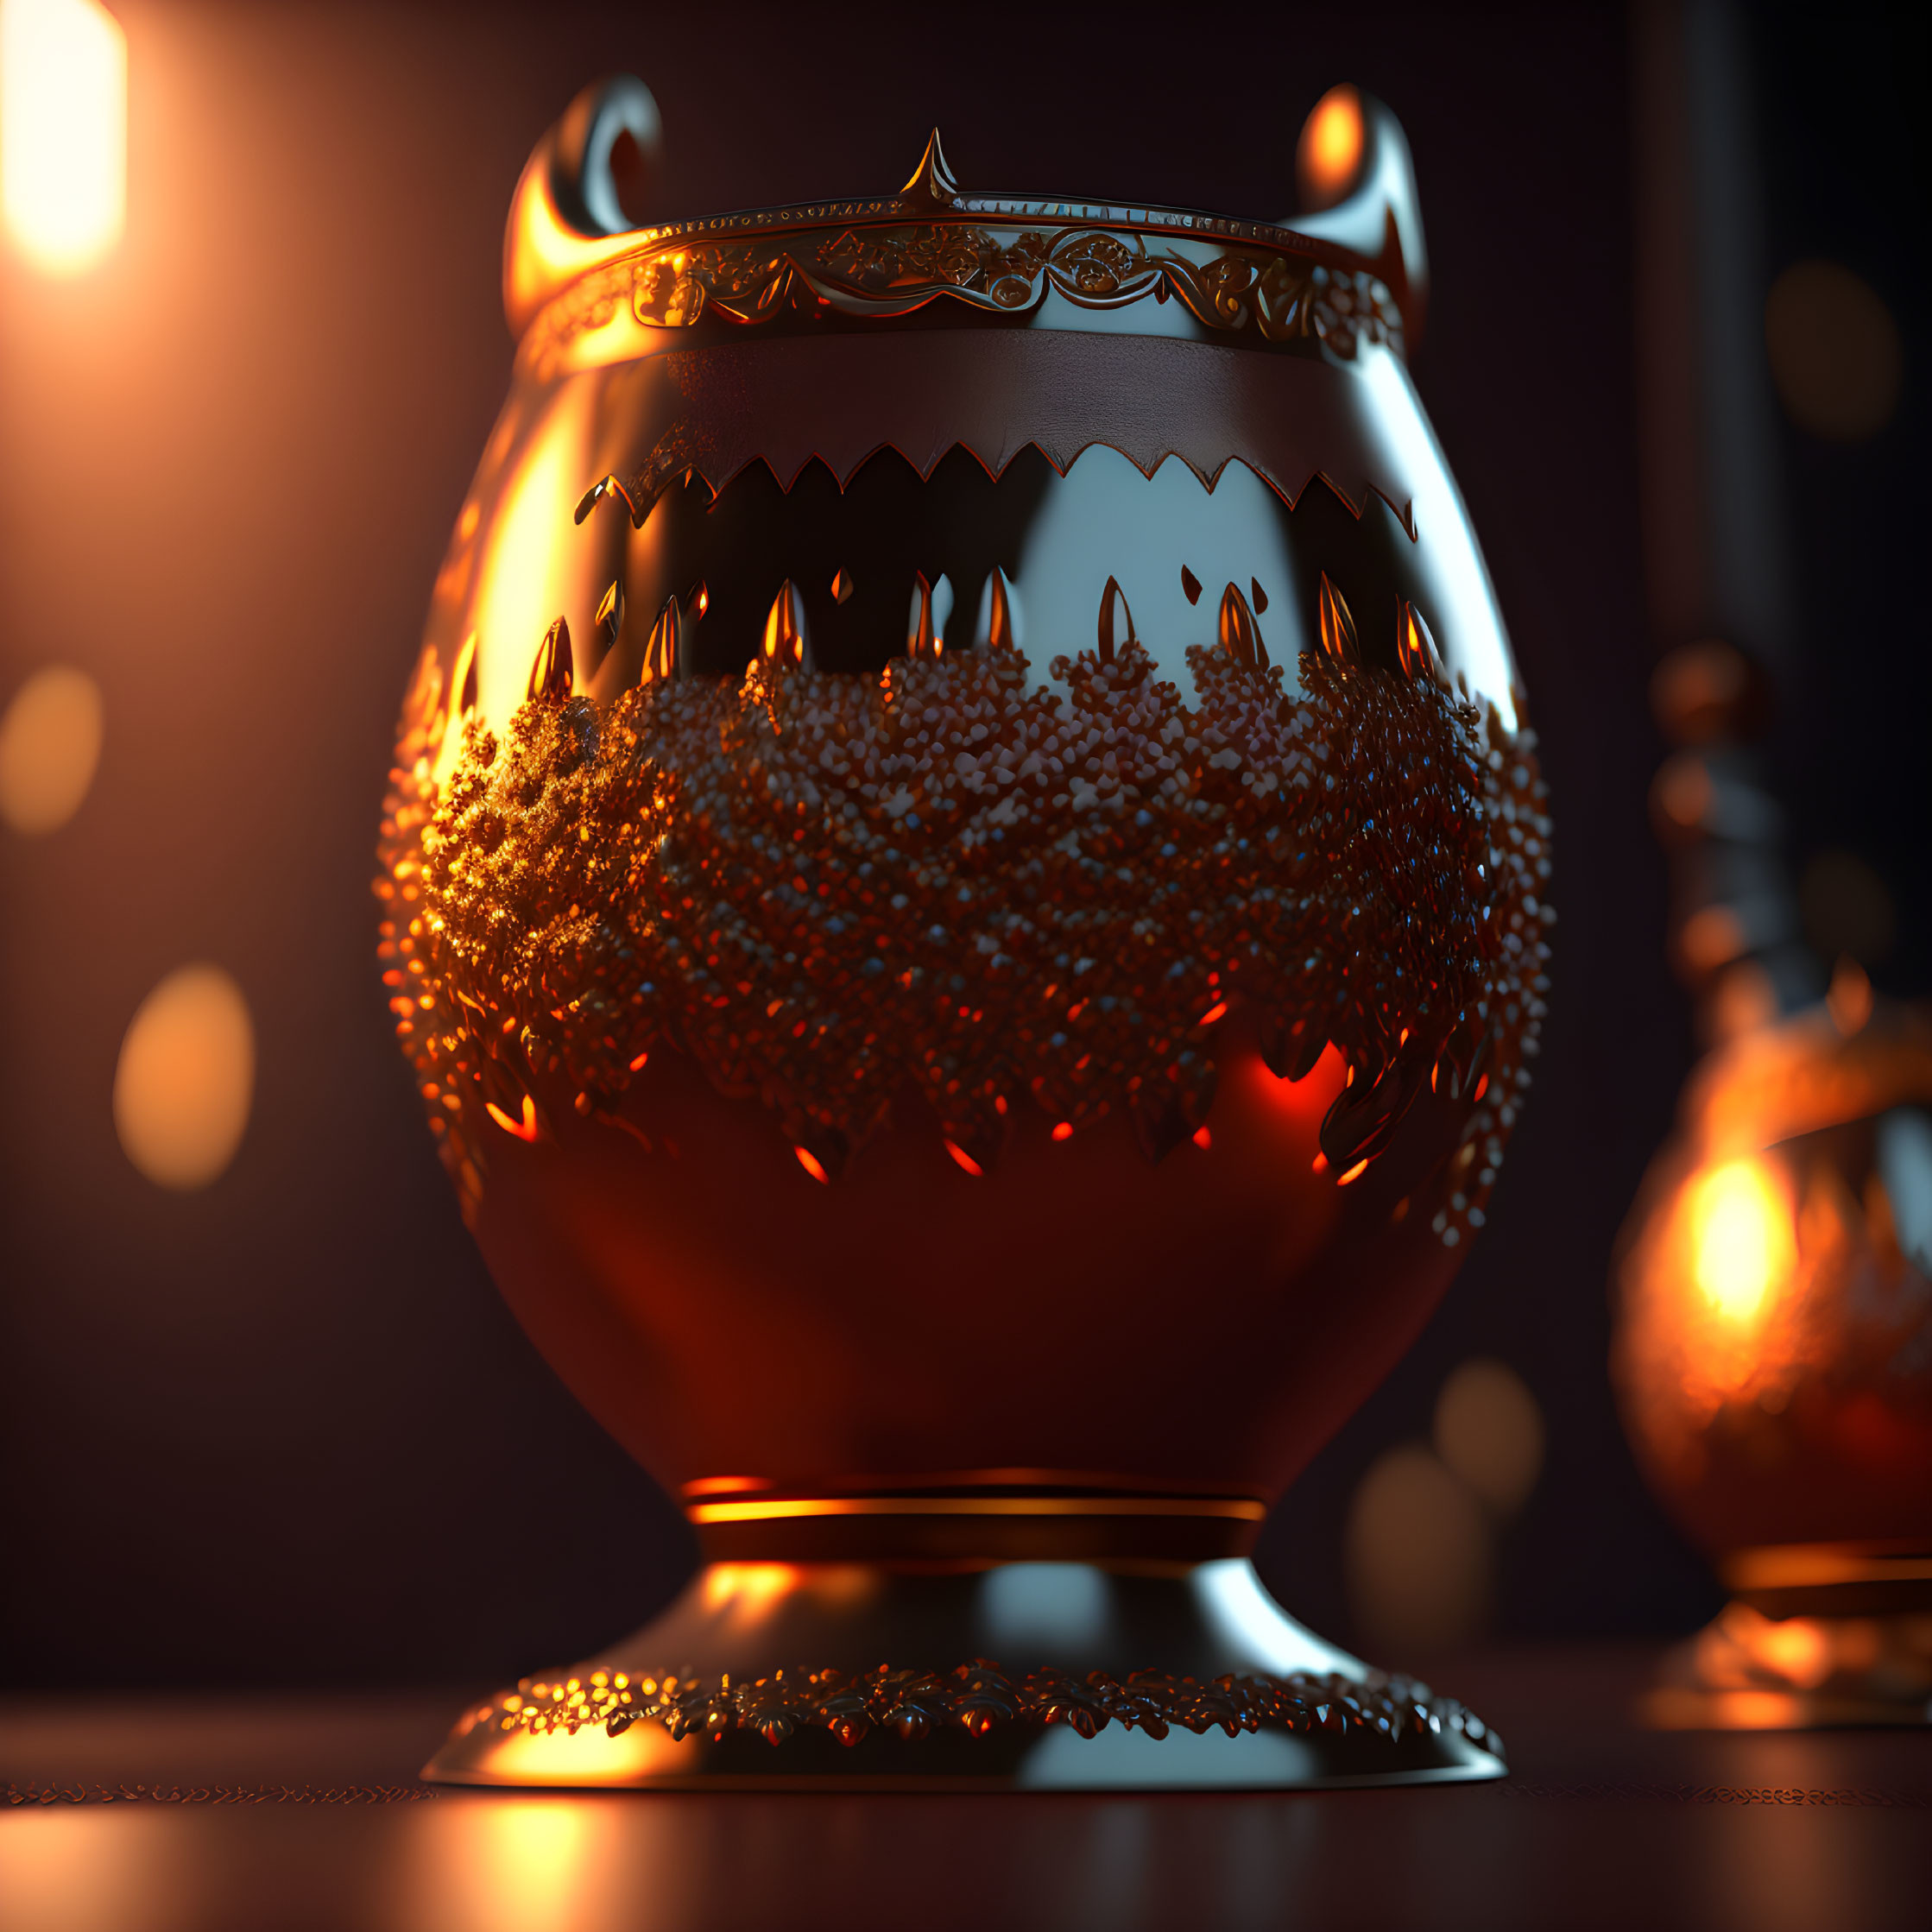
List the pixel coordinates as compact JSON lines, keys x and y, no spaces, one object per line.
{"x":1817,"y":1635}
{"x":860,"y":1675}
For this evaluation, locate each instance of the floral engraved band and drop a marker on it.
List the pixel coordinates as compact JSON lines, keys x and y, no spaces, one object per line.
{"x":893,"y":271}
{"x":1001,"y":256}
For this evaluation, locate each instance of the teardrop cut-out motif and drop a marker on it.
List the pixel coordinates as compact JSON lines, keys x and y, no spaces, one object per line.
{"x":1415,"y":649}
{"x":998,"y":628}
{"x":842,"y":586}
{"x":1160,"y":1124}
{"x":603,"y":487}
{"x":921,"y":640}
{"x":701,"y":600}
{"x":664,"y":653}
{"x":1363,"y":1118}
{"x":553,"y":672}
{"x":785,"y":627}
{"x":1258,"y":596}
{"x":1116,"y":621}
{"x":1337,"y":625}
{"x":1191,"y":585}
{"x":610,"y":614}
{"x":463,"y":679}
{"x":1240,"y":636}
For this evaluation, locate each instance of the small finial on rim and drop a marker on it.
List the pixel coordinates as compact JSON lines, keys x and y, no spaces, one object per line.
{"x":932,"y":181}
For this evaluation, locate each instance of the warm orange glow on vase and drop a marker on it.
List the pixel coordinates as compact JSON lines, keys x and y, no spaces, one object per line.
{"x":522,"y":582}
{"x":63,"y":129}
{"x":1740,"y":1235}
{"x":749,"y":1588}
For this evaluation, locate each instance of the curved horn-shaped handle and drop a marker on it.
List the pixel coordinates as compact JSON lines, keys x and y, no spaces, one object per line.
{"x":566,"y":205}
{"x":1358,"y":188}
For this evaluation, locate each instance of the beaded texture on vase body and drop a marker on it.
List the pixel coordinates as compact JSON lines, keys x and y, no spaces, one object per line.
{"x":826,"y":887}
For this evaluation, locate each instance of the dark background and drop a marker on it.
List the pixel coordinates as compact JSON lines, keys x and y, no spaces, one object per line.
{"x":282,"y":1430}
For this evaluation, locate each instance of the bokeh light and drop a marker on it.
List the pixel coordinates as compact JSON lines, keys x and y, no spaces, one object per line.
{"x":1846,"y":909}
{"x":63,"y":129}
{"x":186,"y":1078}
{"x":1741,"y":1241}
{"x":91,"y":1868}
{"x":1834,"y":348}
{"x":1489,"y":1431}
{"x":1330,"y":149}
{"x":1418,"y":1556}
{"x":50,"y":744}
{"x":510,"y":1864}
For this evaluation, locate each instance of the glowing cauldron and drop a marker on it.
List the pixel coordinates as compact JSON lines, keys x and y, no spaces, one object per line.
{"x":964,"y":884}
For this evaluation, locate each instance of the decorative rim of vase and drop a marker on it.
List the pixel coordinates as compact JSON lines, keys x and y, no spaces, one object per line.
{"x":991,"y":259}
{"x":957,"y":208}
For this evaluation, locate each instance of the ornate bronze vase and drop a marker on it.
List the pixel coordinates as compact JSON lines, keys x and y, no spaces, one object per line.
{"x":965,"y":885}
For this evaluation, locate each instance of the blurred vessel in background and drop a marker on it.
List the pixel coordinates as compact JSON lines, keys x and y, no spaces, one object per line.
{"x":1774,"y":1362}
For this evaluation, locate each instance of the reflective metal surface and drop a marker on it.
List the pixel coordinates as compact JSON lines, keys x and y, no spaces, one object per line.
{"x":1208,"y":1630}
{"x":830,"y":338}
{"x":857,"y":555}
{"x":815,"y":1215}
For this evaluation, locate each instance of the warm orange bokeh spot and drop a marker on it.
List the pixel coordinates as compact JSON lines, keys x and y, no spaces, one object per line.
{"x":63,"y":129}
{"x":186,"y":1078}
{"x":1742,"y":1242}
{"x":1331,"y":145}
{"x":50,"y":744}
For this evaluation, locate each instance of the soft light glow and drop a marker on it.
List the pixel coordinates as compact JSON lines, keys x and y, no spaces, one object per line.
{"x":1836,"y":356}
{"x":523,"y":1125}
{"x":1331,"y":146}
{"x":530,"y":573}
{"x":518,"y":1864}
{"x":749,"y":1590}
{"x":586,"y":1758}
{"x":63,"y":129}
{"x":186,"y":1078}
{"x":89,"y":1867}
{"x":1419,"y":1554}
{"x":1489,"y":1430}
{"x":1741,"y":1240}
{"x":50,"y":743}
{"x":965,"y":1160}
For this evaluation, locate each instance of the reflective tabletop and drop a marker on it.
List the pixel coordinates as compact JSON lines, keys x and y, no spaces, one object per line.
{"x":305,"y":1813}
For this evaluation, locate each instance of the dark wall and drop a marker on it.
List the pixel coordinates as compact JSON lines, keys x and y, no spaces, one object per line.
{"x":1846,"y":153}
{"x":282,"y":1430}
